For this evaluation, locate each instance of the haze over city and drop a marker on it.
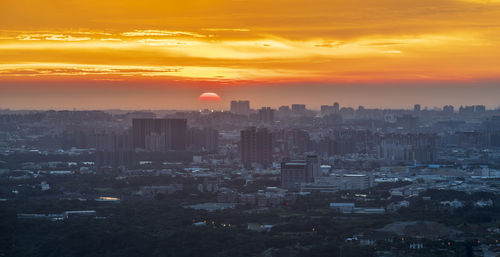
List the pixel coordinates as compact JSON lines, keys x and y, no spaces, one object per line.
{"x":163,"y":54}
{"x":214,"y":128}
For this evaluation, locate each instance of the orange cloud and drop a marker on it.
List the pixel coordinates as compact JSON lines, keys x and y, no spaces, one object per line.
{"x":231,"y":42}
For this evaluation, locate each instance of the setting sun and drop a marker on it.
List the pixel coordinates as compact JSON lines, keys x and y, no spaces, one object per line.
{"x":100,"y":45}
{"x":208,"y":96}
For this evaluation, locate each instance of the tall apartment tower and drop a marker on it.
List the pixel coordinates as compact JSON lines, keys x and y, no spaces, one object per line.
{"x":205,"y":139}
{"x":299,"y":109}
{"x":449,"y":109}
{"x":240,"y":107}
{"x":336,"y":107}
{"x":159,"y":134}
{"x":256,"y":146}
{"x":266,"y":115}
{"x":295,"y":172}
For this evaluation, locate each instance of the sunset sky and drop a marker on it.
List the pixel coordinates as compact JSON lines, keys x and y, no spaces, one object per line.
{"x":94,"y":54}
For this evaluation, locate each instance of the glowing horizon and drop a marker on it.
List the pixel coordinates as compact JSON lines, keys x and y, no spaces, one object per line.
{"x":208,"y":44}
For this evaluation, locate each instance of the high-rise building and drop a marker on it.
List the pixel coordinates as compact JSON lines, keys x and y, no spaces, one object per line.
{"x":256,"y":146}
{"x":266,"y":115}
{"x":159,"y":134}
{"x":330,"y":146}
{"x":347,"y":111}
{"x":240,"y":107}
{"x":326,"y":109}
{"x":416,"y":108}
{"x":155,"y":142}
{"x":336,"y":107}
{"x":234,"y":106}
{"x":113,"y":150}
{"x":284,"y":110}
{"x":295,"y":172}
{"x":205,"y":139}
{"x":419,"y":148}
{"x":449,"y":109}
{"x":467,"y":110}
{"x":480,"y":108}
{"x":297,"y":141}
{"x":298,"y":108}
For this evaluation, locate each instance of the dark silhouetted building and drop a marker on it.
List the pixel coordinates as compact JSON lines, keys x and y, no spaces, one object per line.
{"x":449,"y":109}
{"x":480,"y":108}
{"x":295,"y":172}
{"x":419,"y":148}
{"x":113,"y":150}
{"x":336,"y":107}
{"x":335,"y":146}
{"x":240,"y":107}
{"x":284,"y":110}
{"x":159,"y":135}
{"x":298,"y":141}
{"x":467,"y":110}
{"x":204,"y":140}
{"x":299,"y":109}
{"x":348,"y":111}
{"x":256,"y":146}
{"x":266,"y":115}
{"x":326,"y":109}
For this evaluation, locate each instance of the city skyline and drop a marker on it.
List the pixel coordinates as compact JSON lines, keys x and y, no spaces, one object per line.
{"x":225,"y":105}
{"x":249,"y":128}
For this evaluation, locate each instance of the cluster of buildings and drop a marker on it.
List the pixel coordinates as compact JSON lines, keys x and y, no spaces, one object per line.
{"x":291,"y":145}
